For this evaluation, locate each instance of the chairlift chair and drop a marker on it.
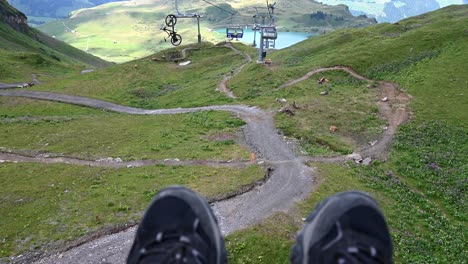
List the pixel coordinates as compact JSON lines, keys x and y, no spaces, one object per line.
{"x":236,"y":32}
{"x":270,"y":33}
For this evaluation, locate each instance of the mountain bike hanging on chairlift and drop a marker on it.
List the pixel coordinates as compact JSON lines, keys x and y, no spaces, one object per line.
{"x":175,"y":38}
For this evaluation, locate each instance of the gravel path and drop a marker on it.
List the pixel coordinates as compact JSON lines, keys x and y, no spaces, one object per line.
{"x":290,"y":181}
{"x":117,"y":163}
{"x":223,"y":85}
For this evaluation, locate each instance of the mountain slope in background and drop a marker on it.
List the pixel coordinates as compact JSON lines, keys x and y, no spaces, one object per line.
{"x":128,"y":30}
{"x":53,"y":8}
{"x":24,"y":49}
{"x":393,"y":10}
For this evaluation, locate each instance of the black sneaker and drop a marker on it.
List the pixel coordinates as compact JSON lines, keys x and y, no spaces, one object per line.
{"x":344,"y":228}
{"x":178,"y":227}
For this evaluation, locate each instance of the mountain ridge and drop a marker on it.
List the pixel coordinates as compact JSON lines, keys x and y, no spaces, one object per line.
{"x":393,"y":10}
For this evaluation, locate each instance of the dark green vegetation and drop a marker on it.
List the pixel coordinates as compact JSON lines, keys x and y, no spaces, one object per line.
{"x":24,"y":50}
{"x":138,"y":33}
{"x":423,"y":186}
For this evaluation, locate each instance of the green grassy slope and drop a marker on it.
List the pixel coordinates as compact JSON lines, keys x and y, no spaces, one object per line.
{"x":158,"y":84}
{"x":422,"y":187}
{"x":25,"y":50}
{"x":124,"y":31}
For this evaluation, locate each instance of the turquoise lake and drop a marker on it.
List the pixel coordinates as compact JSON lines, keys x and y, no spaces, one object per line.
{"x":285,"y":39}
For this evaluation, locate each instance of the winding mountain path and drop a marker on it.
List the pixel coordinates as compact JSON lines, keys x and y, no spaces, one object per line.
{"x":291,"y":180}
{"x":223,"y":85}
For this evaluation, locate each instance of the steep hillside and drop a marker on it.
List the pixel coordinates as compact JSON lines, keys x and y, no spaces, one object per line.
{"x":124,"y":31}
{"x":30,"y":49}
{"x":41,"y":10}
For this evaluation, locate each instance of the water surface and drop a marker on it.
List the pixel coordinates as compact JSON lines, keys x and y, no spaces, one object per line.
{"x":285,"y":39}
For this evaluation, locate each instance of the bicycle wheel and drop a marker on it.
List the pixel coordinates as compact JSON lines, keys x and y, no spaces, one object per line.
{"x":176,"y":39}
{"x":171,"y":20}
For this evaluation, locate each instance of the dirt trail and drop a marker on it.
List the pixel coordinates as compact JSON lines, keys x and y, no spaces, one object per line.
{"x":223,"y":85}
{"x":312,"y":73}
{"x":35,"y":81}
{"x":290,"y":180}
{"x":395,"y":110}
{"x":115,"y":163}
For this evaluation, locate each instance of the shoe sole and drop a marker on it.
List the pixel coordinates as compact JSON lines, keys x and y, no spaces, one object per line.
{"x":201,"y":208}
{"x":326,"y":213}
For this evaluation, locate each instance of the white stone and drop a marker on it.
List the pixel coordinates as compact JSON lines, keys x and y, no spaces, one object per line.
{"x":367,"y":161}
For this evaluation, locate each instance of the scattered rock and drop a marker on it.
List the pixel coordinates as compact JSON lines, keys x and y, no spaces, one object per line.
{"x":323,"y":80}
{"x":367,"y":161}
{"x":22,"y":85}
{"x":86,"y":71}
{"x":333,"y":129}
{"x":287,"y":111}
{"x":295,"y":106}
{"x":385,"y":128}
{"x":281,"y":100}
{"x":433,"y":166}
{"x":324,"y":93}
{"x":118,"y":160}
{"x":385,"y":99}
{"x":356,"y":157}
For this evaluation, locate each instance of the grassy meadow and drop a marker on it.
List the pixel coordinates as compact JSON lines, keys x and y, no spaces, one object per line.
{"x":44,"y":206}
{"x":421,"y":187}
